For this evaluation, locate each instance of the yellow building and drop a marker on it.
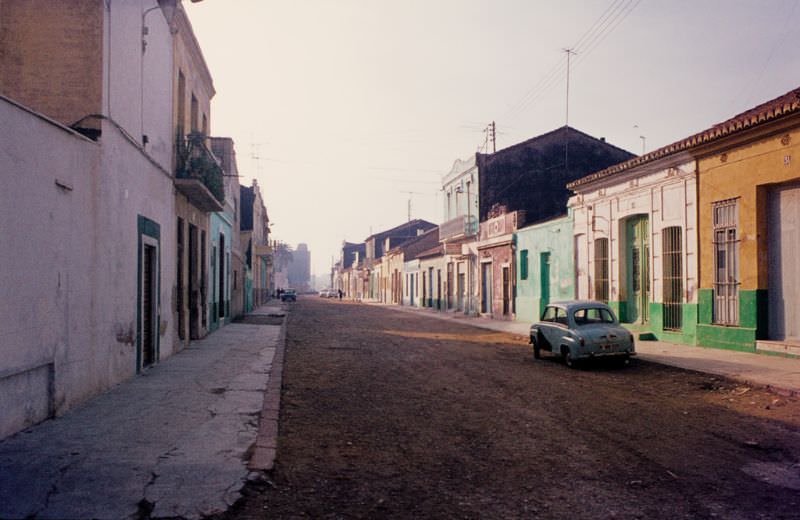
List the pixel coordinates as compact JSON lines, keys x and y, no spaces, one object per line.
{"x":749,"y":229}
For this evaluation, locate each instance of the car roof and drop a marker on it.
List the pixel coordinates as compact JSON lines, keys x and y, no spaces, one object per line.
{"x":571,"y":305}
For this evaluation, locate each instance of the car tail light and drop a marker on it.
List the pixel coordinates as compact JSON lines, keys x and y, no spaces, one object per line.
{"x":582,"y":341}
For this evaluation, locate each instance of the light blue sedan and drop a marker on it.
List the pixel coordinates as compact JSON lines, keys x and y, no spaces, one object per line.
{"x":581,"y":330}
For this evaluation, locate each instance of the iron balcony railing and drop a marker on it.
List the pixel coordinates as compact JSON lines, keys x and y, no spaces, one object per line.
{"x":195,"y":161}
{"x":461,"y":226}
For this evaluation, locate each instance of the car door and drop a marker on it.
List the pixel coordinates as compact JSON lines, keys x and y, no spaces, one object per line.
{"x":547,"y":323}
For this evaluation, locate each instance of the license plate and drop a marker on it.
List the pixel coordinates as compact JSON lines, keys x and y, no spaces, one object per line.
{"x":610,"y":346}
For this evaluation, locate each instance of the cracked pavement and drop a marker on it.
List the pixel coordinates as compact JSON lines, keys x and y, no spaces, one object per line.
{"x":173,"y":442}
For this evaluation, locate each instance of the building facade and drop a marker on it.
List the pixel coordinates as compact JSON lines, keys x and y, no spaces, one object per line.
{"x":545,"y":266}
{"x":635,"y":243}
{"x":749,"y":229}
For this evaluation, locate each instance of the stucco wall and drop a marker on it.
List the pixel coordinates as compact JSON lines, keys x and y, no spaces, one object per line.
{"x":46,"y":286}
{"x":744,"y":173}
{"x":553,"y":237}
{"x":70,"y":282}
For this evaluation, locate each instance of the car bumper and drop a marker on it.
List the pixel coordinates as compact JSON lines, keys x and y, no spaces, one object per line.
{"x":599,"y":352}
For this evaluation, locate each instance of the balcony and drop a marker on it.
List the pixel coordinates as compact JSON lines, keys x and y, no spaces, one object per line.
{"x":459,"y":227}
{"x":198,"y":174}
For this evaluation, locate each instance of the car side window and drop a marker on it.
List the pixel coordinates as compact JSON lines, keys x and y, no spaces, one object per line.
{"x":549,"y":314}
{"x":561,"y":316}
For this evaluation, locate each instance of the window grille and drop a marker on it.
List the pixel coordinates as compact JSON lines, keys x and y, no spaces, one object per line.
{"x":601,"y":269}
{"x":726,"y":262}
{"x":672,"y":256}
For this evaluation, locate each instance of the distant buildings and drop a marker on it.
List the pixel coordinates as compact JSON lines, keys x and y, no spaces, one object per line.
{"x":694,"y":243}
{"x":300,"y":269}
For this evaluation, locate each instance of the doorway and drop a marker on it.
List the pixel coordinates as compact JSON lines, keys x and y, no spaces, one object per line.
{"x":638,"y":269}
{"x":461,"y":287}
{"x":544,"y":281}
{"x":148,"y":286}
{"x":194,"y":287}
{"x":506,"y":291}
{"x":784,"y":269}
{"x":486,"y":288}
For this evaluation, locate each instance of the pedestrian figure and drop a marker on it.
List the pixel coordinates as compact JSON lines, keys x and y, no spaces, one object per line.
{"x":340,"y":294}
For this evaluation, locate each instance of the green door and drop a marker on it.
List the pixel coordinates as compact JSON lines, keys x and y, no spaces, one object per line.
{"x":638,"y":270}
{"x":544,"y":281}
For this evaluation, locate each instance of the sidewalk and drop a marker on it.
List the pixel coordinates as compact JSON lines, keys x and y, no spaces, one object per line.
{"x":174,"y":441}
{"x":774,"y":372}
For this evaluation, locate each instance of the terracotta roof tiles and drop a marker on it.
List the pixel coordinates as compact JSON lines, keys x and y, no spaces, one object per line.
{"x":781,"y":106}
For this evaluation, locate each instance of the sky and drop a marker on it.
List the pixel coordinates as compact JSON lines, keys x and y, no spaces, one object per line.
{"x":346,"y":110}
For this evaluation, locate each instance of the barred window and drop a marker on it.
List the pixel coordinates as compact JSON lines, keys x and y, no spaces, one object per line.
{"x":601,"y":269}
{"x":671,"y":238}
{"x":726,"y":262}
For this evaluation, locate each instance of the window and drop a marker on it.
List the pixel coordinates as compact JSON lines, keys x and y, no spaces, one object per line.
{"x":549,"y":314}
{"x":181,"y":102}
{"x":672,"y":277}
{"x":193,"y":114}
{"x":592,"y":316}
{"x":726,"y":262}
{"x":523,"y":264}
{"x":561,"y":316}
{"x":601,"y":269}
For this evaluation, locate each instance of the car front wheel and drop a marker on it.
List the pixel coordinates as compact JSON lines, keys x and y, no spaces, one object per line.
{"x":537,"y":348}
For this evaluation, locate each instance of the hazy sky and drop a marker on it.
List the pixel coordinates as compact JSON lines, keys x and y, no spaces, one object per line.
{"x":349,"y":104}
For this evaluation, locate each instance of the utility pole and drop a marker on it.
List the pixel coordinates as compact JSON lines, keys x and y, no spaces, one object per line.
{"x":570,"y":53}
{"x":410,"y":193}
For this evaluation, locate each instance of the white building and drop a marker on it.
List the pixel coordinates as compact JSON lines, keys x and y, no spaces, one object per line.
{"x":635,"y":236}
{"x":88,"y":204}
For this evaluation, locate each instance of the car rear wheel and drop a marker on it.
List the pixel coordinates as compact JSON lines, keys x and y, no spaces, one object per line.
{"x":568,"y":359}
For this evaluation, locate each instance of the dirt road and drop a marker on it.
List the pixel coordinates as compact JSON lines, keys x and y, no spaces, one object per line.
{"x":388,"y":414}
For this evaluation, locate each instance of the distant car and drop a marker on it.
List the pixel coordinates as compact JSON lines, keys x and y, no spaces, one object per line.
{"x":289,"y":295}
{"x":579,"y":330}
{"x":325,"y":293}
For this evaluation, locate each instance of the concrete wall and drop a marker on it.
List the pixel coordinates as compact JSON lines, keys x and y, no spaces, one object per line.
{"x":137,"y":84}
{"x":412,"y":285}
{"x":435,"y":285}
{"x":46,"y":284}
{"x":79,"y":300}
{"x":553,"y":237}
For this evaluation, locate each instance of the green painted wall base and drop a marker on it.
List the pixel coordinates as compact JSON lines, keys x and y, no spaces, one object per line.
{"x":654,"y":329}
{"x":753,"y":308}
{"x":731,"y":338}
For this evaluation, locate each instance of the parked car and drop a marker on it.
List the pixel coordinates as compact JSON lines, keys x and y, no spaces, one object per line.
{"x":579,"y":330}
{"x":325,"y":293}
{"x":289,"y":295}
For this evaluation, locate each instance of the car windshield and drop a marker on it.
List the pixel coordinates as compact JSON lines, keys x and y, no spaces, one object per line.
{"x":592,"y":316}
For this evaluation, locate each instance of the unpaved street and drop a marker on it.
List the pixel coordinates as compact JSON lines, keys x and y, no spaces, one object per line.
{"x":389,"y":414}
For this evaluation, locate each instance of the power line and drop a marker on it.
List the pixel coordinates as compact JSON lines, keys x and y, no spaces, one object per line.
{"x":604,"y":25}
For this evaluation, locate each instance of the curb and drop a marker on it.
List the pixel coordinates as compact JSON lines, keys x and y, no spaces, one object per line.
{"x":266,"y":446}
